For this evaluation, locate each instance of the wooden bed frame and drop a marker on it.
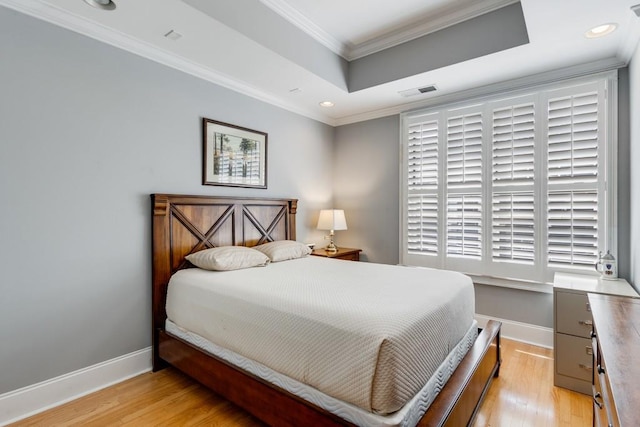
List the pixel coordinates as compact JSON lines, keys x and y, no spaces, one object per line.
{"x":187,"y":224}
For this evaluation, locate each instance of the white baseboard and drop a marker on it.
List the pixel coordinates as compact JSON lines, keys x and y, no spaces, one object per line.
{"x":25,"y":402}
{"x":523,"y":332}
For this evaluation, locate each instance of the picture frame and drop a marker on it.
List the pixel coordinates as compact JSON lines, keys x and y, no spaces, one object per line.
{"x":233,"y":156}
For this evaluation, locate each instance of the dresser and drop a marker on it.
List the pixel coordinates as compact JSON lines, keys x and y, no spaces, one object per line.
{"x":573,"y":323}
{"x":616,"y":361}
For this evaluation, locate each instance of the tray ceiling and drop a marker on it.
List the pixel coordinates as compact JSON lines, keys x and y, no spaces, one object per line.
{"x":297,"y":53}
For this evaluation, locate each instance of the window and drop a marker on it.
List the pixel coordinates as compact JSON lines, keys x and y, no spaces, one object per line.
{"x":513,"y":187}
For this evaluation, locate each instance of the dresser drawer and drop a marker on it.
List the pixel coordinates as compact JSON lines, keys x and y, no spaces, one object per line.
{"x":600,"y":416}
{"x":574,"y":357}
{"x":600,"y":410}
{"x":572,"y":314}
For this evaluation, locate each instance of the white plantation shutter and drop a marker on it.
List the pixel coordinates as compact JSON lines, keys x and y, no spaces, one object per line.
{"x":422,"y":156}
{"x":512,"y":176}
{"x":512,"y":224}
{"x":464,"y":185}
{"x":513,"y":145}
{"x":464,"y":151}
{"x":573,"y":163}
{"x":573,"y":228}
{"x":512,"y":188}
{"x":422,"y":184}
{"x":573,"y":139}
{"x":422,"y":224}
{"x":464,"y":225}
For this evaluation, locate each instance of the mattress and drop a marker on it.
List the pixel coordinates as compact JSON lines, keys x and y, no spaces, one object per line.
{"x":408,"y":416}
{"x":370,"y":335}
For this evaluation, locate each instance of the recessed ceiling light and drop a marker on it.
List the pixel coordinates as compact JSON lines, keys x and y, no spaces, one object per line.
{"x":101,"y":4}
{"x":327,"y":104}
{"x":600,"y":31}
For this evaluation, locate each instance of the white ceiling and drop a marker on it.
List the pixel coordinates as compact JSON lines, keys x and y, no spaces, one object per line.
{"x":358,"y":21}
{"x":214,"y":51}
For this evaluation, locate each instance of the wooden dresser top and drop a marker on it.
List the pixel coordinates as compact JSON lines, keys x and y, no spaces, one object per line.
{"x":617,"y":322}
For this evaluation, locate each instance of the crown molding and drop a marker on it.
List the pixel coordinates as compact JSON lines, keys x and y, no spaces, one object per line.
{"x":439,"y":21}
{"x":81,"y":25}
{"x":284,"y":9}
{"x":518,"y":84}
{"x":630,"y":44}
{"x":97,"y":31}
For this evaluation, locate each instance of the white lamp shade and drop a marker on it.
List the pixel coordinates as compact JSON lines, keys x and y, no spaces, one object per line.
{"x":332,"y":219}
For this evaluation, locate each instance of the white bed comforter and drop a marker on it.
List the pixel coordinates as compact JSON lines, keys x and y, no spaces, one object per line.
{"x":368,"y":334}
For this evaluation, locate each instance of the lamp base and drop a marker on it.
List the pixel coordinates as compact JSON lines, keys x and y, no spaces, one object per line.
{"x":331,"y":247}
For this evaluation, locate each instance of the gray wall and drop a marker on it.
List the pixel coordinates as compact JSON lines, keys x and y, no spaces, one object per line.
{"x":457,"y":43}
{"x":366,"y":170}
{"x":535,"y":308}
{"x":624,"y":171}
{"x":87,"y":133}
{"x":634,"y":176}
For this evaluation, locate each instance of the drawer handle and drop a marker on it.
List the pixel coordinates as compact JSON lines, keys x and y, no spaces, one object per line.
{"x":588,"y":307}
{"x":595,"y":399}
{"x":586,"y":322}
{"x":589,"y":350}
{"x":586,"y":367}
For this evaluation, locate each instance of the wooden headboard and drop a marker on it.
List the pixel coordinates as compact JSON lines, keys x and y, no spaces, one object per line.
{"x":187,"y":224}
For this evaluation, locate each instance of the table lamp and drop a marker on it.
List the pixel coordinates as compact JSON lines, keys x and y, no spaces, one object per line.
{"x":331,"y":219}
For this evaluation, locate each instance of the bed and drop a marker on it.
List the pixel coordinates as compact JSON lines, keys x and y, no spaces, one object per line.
{"x":188,"y":224}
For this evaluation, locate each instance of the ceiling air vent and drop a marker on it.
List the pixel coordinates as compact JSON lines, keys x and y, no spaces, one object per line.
{"x":417,"y":91}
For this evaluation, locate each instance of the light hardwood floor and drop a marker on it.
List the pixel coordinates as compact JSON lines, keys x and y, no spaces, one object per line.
{"x":522,"y":396}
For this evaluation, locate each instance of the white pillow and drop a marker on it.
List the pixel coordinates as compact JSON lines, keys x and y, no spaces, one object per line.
{"x":225,"y":258}
{"x":282,"y":250}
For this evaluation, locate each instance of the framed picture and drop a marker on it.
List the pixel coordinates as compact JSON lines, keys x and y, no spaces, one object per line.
{"x":233,"y":156}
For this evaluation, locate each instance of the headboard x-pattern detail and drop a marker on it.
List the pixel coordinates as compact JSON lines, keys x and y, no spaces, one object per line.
{"x":188,"y":224}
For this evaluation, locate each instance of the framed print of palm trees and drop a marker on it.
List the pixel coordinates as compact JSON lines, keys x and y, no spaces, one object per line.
{"x":233,"y":156}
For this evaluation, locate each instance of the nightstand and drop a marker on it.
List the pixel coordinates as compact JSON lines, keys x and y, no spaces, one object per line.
{"x":349,"y":254}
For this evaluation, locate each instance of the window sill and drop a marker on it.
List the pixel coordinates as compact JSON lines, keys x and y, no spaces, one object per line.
{"x":545,"y":288}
